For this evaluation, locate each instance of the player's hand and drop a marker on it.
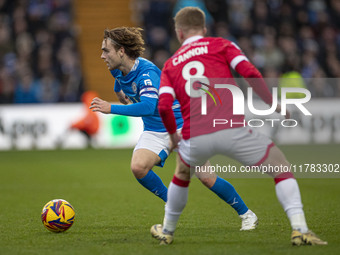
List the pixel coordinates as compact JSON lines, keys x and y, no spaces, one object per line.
{"x":174,"y":140}
{"x":99,"y":105}
{"x":278,"y":109}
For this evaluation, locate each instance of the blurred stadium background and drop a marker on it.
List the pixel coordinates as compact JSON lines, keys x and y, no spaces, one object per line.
{"x":50,"y":55}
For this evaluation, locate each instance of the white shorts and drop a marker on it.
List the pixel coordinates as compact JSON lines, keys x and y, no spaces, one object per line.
{"x":243,"y":144}
{"x":157,"y":142}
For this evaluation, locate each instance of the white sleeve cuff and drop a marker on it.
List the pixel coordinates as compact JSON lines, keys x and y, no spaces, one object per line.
{"x":168,"y":90}
{"x":237,"y":60}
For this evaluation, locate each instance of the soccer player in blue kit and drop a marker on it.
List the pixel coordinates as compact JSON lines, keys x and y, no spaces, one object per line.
{"x":137,"y":81}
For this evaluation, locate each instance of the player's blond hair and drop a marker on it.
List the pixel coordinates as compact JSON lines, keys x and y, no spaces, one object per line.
{"x":130,"y":38}
{"x":190,"y":18}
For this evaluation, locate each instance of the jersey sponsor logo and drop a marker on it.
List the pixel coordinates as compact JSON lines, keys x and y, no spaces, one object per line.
{"x":189,"y":54}
{"x":148,"y":82}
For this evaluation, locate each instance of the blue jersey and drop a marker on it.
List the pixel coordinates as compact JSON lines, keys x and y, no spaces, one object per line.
{"x":142,"y":83}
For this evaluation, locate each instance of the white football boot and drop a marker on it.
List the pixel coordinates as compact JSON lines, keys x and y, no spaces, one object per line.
{"x":249,"y":221}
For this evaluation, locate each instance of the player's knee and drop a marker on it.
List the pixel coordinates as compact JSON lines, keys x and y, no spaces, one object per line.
{"x":139,"y":170}
{"x":183,"y":174}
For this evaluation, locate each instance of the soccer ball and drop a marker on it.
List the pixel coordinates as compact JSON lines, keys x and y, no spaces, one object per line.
{"x":57,"y":215}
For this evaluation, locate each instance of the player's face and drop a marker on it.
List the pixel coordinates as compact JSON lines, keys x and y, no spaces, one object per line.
{"x":110,"y":56}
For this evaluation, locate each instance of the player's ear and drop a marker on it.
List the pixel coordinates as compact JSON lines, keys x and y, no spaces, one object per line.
{"x":205,"y":31}
{"x":121,"y":52}
{"x":180,"y":36}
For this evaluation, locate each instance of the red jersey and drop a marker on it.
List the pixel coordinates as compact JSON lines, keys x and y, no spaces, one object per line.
{"x":191,"y":76}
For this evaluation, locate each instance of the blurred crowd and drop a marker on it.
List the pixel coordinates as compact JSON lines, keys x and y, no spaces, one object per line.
{"x":38,"y":52}
{"x":40,"y":62}
{"x":293,"y":38}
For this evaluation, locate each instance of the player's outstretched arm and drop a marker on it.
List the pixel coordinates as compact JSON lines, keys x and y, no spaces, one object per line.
{"x":146,"y":107}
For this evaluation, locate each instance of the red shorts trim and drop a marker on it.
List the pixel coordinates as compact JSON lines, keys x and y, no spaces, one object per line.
{"x":283,"y":176}
{"x":265,"y":155}
{"x":180,"y":182}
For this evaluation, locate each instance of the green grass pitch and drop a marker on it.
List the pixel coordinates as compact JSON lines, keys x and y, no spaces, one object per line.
{"x":114,"y":213}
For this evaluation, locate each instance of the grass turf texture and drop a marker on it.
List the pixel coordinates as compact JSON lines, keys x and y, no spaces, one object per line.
{"x":114,"y":213}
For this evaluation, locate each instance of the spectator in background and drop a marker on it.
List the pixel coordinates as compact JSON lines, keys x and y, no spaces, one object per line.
{"x":69,"y":70}
{"x":6,"y":44}
{"x":269,"y":55}
{"x":44,"y":59}
{"x":24,"y":48}
{"x":320,"y":87}
{"x":218,"y":10}
{"x":238,"y":14}
{"x":42,"y":34}
{"x":7,"y":85}
{"x":292,"y":79}
{"x":27,"y":88}
{"x":49,"y":88}
{"x":197,"y":3}
{"x":159,"y":57}
{"x":222,"y":30}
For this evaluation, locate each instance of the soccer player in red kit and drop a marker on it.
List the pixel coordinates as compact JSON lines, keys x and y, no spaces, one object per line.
{"x":203,"y":66}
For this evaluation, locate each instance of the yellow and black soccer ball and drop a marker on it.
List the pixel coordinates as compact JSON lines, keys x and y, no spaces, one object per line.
{"x":58,"y":215}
